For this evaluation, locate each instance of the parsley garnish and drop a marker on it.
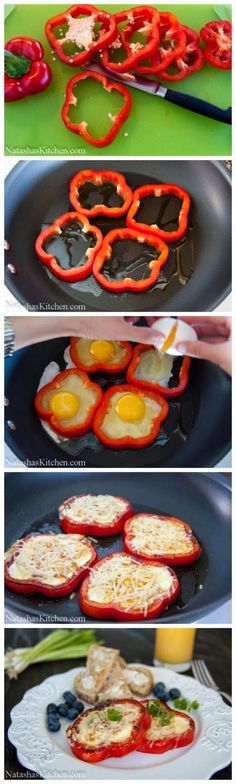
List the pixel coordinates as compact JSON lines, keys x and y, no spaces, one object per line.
{"x":183,"y":704}
{"x":113,"y":714}
{"x":155,"y":709}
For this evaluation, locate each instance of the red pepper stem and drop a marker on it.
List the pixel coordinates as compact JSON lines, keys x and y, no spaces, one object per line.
{"x":16,"y":65}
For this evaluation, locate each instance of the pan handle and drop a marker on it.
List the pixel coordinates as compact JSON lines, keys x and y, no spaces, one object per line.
{"x":199,"y":106}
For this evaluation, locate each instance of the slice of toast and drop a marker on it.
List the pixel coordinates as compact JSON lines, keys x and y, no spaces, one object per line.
{"x":100,"y":663}
{"x":115,"y":686}
{"x":139,"y":679}
{"x":85,"y":687}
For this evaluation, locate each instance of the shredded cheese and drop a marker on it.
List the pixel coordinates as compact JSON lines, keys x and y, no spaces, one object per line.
{"x":101,"y":509}
{"x":123,"y":581}
{"x":154,"y":536}
{"x":49,"y":559}
{"x":96,"y":729}
{"x":178,"y":726}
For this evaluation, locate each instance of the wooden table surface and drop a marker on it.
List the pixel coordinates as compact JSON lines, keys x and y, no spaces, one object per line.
{"x":213,"y":645}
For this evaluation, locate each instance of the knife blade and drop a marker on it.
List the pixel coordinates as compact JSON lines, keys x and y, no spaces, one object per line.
{"x":156,"y":88}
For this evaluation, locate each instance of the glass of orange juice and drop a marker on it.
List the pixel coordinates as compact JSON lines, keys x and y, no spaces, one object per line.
{"x":174,"y":648}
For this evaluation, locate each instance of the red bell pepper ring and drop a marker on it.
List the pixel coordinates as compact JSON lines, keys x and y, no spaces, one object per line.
{"x":100,"y":365}
{"x":36,"y":585}
{"x":154,"y":230}
{"x":129,"y":441}
{"x":136,"y":524}
{"x":56,"y":229}
{"x":128,"y":284}
{"x":81,"y":21}
{"x":94,"y":751}
{"x":96,"y":525}
{"x":172,"y":46}
{"x":167,"y":392}
{"x":218,"y":37}
{"x":99,"y":178}
{"x":191,"y":60}
{"x":82,"y":127}
{"x":36,"y":74}
{"x":128,"y":607}
{"x":142,"y":19}
{"x":150,"y":745}
{"x":58,"y":385}
{"x":167,"y":20}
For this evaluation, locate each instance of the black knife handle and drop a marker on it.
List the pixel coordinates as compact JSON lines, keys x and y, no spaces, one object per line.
{"x":199,"y":106}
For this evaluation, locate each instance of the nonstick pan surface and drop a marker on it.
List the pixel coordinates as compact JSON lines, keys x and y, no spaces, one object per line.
{"x":196,"y":433}
{"x":204,"y":502}
{"x":197,"y":275}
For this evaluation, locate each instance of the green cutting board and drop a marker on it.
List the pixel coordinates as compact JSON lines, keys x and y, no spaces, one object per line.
{"x":33,"y":126}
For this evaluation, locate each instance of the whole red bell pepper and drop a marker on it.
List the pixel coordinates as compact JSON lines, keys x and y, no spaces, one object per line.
{"x":96,"y":526}
{"x":35,"y":584}
{"x":129,"y":607}
{"x":102,"y":366}
{"x":57,"y":385}
{"x":190,"y":61}
{"x":135,"y":524}
{"x":128,"y":284}
{"x":129,"y":441}
{"x":98,"y":180}
{"x":56,"y":229}
{"x":26,"y":73}
{"x":154,"y":230}
{"x":218,"y":37}
{"x":172,"y":46}
{"x":156,"y":742}
{"x":143,"y":19}
{"x":109,"y":717}
{"x":82,"y":22}
{"x":168,"y":392}
{"x":82,"y":127}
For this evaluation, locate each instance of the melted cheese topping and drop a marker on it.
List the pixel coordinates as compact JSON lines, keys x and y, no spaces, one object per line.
{"x":49,"y":559}
{"x":177,"y":726}
{"x":115,"y":427}
{"x":154,"y":536}
{"x":96,"y":729}
{"x":91,"y":351}
{"x":136,"y":678}
{"x":80,"y":31}
{"x":154,"y":366}
{"x":127,"y":583}
{"x":102,"y":509}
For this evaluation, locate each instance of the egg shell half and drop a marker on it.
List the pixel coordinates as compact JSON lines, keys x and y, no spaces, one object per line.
{"x":183,"y":333}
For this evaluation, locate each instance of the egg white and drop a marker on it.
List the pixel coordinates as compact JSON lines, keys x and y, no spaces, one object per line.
{"x":87,"y":397}
{"x":114,"y":427}
{"x":154,"y":366}
{"x":84,"y":356}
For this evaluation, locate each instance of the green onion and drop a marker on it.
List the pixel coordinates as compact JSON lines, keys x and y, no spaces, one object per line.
{"x":59,"y":645}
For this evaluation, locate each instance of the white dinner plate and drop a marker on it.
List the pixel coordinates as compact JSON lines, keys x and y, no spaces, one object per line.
{"x":49,"y":755}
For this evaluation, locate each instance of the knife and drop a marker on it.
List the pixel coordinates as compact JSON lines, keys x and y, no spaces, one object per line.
{"x":155,"y":88}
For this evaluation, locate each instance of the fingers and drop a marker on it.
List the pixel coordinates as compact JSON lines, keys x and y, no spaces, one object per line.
{"x":212,"y":351}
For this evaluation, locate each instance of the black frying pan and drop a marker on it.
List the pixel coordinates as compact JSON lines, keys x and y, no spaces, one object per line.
{"x":204,"y":501}
{"x":196,"y":433}
{"x":197,"y":275}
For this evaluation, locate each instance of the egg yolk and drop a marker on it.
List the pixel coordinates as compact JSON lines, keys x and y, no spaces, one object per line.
{"x":64,"y":405}
{"x":130,"y":407}
{"x":102,"y":350}
{"x":170,"y":338}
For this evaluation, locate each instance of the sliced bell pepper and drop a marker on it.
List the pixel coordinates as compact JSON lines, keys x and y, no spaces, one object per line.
{"x":95,"y":515}
{"x":156,"y":740}
{"x":182,"y":548}
{"x":143,"y":19}
{"x":191,"y":60}
{"x":218,"y":37}
{"x":70,"y":221}
{"x":107,"y":185}
{"x":82,"y":127}
{"x":106,"y":356}
{"x":128,"y":407}
{"x":121,"y":587}
{"x":172,"y":46}
{"x":154,"y":230}
{"x":26,"y":73}
{"x":157,"y":247}
{"x":111,"y":730}
{"x":60,"y":403}
{"x":167,"y":20}
{"x":89,"y":31}
{"x":50,"y":554}
{"x":169,"y":392}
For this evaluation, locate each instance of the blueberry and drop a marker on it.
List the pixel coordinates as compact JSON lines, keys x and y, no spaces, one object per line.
{"x":159,"y":690}
{"x":53,"y":724}
{"x":165,"y":696}
{"x":79,"y":706}
{"x":72,"y":713}
{"x":69,"y":697}
{"x":51,"y":708}
{"x":175,"y":694}
{"x":161,"y":685}
{"x":62,"y":709}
